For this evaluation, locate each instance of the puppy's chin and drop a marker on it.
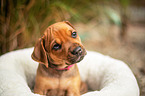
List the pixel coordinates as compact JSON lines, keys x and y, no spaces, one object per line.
{"x":80,"y":59}
{"x":76,"y":59}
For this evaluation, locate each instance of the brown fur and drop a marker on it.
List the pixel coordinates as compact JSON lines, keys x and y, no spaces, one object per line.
{"x":51,"y":81}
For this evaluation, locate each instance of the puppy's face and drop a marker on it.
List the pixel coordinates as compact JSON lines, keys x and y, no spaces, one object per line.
{"x":59,"y":47}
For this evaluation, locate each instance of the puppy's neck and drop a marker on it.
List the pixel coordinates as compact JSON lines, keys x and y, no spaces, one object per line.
{"x":44,"y":71}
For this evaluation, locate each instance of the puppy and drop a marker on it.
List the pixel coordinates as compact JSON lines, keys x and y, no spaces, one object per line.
{"x":57,"y":52}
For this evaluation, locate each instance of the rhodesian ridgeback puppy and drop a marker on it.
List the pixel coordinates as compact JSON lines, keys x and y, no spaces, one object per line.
{"x":57,"y":52}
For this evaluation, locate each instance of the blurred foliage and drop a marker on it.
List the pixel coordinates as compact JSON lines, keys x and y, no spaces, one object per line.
{"x":23,"y":21}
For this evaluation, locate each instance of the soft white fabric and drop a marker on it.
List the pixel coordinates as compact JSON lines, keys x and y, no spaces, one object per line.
{"x":103,"y":74}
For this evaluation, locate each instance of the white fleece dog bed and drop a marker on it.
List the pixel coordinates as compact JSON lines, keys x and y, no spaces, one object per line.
{"x":103,"y":74}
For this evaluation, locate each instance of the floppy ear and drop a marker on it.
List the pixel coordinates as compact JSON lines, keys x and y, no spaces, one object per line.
{"x":67,"y":22}
{"x":39,"y":54}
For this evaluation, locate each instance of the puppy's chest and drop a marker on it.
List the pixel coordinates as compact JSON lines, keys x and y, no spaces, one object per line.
{"x":60,"y":86}
{"x":62,"y":80}
{"x":58,"y":83}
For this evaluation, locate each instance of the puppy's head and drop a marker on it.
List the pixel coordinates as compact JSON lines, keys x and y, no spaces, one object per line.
{"x":59,"y":47}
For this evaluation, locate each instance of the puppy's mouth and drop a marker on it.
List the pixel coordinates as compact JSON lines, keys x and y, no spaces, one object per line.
{"x":72,"y":59}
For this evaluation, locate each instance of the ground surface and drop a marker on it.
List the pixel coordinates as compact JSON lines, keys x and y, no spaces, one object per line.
{"x":106,"y":40}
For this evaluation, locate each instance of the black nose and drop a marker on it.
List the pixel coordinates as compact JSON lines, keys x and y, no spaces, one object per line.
{"x":77,"y":51}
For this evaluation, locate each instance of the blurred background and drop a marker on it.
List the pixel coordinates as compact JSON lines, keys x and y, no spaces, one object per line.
{"x":111,"y":27}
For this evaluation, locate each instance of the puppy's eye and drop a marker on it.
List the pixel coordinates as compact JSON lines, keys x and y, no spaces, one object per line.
{"x":74,"y":34}
{"x":57,"y":46}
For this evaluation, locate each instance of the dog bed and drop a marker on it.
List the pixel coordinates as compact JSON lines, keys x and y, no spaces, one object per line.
{"x":104,"y":75}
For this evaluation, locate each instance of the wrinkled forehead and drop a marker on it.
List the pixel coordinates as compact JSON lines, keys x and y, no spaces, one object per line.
{"x":61,"y":26}
{"x":61,"y":31}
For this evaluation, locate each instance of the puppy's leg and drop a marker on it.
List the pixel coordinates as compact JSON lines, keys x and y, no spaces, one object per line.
{"x":40,"y":89}
{"x":72,"y":92}
{"x":52,"y":92}
{"x":83,"y":88}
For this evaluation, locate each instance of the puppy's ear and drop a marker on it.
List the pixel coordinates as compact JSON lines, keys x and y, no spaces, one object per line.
{"x":39,"y":54}
{"x":67,"y":22}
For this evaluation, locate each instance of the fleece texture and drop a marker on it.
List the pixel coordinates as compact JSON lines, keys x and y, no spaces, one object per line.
{"x":104,"y":75}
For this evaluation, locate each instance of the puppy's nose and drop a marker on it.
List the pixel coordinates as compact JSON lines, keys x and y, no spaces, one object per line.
{"x":77,"y":51}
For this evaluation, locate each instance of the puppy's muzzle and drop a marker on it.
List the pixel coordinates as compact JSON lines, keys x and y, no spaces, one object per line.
{"x":76,"y":54}
{"x":77,"y":51}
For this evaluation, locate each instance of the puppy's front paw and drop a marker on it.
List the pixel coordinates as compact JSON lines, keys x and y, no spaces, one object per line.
{"x":71,"y":93}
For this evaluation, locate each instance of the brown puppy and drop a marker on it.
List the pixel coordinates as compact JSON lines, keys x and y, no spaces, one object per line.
{"x":57,"y":51}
